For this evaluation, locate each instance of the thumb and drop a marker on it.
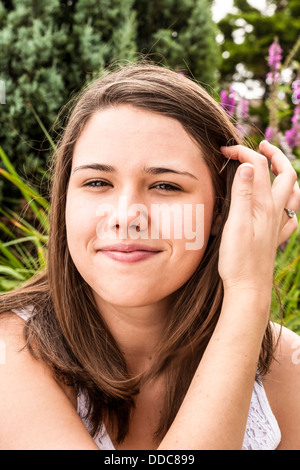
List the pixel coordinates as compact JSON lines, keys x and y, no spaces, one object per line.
{"x":242,"y":190}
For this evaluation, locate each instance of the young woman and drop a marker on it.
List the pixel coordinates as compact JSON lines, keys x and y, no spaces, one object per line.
{"x":149,"y":328}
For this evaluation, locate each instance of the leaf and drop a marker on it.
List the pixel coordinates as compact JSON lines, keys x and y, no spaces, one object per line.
{"x":14,"y":262}
{"x":11,"y":272}
{"x":42,"y":126}
{"x":26,"y":190}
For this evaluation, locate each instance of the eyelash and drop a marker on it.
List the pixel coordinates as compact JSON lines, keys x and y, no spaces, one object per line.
{"x":95,"y":184}
{"x":170,"y":186}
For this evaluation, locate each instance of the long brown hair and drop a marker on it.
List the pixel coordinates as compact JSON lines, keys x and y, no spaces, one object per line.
{"x":66,"y":329}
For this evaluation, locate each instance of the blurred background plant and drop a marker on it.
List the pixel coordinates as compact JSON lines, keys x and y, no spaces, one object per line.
{"x":282,"y":101}
{"x":25,"y":233}
{"x":248,"y":59}
{"x":287,"y":280}
{"x":51,"y":48}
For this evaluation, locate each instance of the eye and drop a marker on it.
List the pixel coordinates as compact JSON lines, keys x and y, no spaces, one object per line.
{"x":96,"y":184}
{"x":167,"y":187}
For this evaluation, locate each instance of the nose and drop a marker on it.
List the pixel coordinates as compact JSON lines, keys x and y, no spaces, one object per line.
{"x":126,"y":220}
{"x":131,"y":220}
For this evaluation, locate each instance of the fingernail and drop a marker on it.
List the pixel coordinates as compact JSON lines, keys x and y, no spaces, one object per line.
{"x":247,"y":172}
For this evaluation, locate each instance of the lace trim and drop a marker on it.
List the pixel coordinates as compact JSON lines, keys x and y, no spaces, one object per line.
{"x":262,"y":430}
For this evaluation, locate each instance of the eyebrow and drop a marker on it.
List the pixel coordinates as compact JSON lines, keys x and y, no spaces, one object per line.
{"x":96,"y":166}
{"x":160,"y":170}
{"x":147,"y":170}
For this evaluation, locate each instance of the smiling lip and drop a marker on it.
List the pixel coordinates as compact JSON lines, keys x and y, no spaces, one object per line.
{"x":129,"y":253}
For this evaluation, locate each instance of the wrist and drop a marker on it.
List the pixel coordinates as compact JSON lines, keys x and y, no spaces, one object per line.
{"x":249,"y":295}
{"x":247,"y":309}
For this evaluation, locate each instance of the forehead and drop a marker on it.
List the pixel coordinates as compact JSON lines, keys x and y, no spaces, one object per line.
{"x":129,"y":137}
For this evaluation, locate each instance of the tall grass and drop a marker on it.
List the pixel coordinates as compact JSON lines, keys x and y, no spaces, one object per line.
{"x":23,"y":234}
{"x":287,"y":278}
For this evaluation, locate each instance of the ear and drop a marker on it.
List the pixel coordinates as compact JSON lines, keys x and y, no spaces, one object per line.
{"x":216,"y":224}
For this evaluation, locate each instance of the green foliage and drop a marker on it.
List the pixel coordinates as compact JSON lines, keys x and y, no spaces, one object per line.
{"x":23,"y":253}
{"x":287,"y":279}
{"x":180,"y":35}
{"x":248,"y":35}
{"x":258,"y":31}
{"x":105,"y":31}
{"x":51,"y":49}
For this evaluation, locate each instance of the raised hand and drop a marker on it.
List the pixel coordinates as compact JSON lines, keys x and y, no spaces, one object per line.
{"x":257,"y":221}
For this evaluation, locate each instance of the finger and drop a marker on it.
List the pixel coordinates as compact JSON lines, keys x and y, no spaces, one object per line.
{"x":285,"y":190}
{"x":280,"y":165}
{"x":287,"y":230}
{"x":274,"y":155}
{"x":289,"y":224}
{"x":242,"y":153}
{"x":242,"y":194}
{"x":293,"y":201}
{"x":286,"y":176}
{"x":262,"y":182}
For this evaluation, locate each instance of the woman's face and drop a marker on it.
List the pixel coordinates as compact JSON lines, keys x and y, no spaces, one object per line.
{"x":138,"y":183}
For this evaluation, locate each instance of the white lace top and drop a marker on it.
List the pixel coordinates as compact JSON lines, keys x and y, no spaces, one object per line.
{"x":262,"y":430}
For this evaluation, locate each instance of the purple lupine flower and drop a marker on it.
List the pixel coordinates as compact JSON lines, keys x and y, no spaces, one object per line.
{"x":270,"y":133}
{"x":275,"y":55}
{"x":296,"y":116}
{"x":228,"y":101}
{"x":243,"y":129}
{"x":242,"y":109}
{"x":274,"y":61}
{"x":292,"y":135}
{"x":296,"y":91}
{"x":285,"y":147}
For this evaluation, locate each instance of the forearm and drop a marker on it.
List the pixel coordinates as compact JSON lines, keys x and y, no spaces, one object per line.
{"x":214,"y":412}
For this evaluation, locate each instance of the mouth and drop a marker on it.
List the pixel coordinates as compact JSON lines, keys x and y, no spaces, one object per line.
{"x":129,"y":253}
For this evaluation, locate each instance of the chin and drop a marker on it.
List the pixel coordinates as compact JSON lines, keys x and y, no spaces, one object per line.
{"x":131,"y":299}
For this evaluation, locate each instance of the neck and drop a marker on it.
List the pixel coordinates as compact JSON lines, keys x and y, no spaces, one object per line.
{"x":137,"y":331}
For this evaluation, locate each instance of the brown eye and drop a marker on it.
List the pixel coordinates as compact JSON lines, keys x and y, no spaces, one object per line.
{"x":167,"y":187}
{"x":96,"y":184}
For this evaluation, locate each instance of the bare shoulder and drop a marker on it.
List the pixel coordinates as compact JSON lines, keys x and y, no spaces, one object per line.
{"x":35,"y":411}
{"x":282,"y":385}
{"x":12,"y":339}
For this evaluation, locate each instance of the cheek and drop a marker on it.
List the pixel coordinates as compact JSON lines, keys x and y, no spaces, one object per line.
{"x":195,"y":227}
{"x":189,"y":251}
{"x":185,"y":261}
{"x":190,"y":222}
{"x":80,"y":225}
